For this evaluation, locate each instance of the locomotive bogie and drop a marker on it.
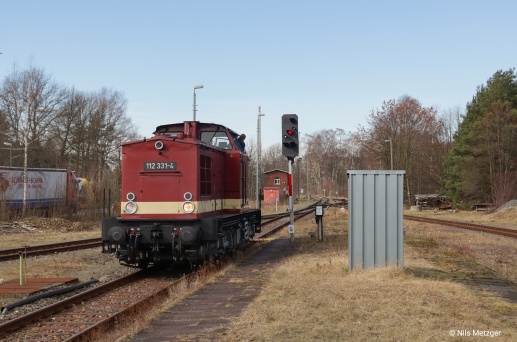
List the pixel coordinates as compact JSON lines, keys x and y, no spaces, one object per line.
{"x":141,"y":243}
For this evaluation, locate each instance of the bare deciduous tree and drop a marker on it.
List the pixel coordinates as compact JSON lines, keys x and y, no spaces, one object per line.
{"x":327,"y":158}
{"x":60,"y":128}
{"x":416,"y":136}
{"x":29,"y":100}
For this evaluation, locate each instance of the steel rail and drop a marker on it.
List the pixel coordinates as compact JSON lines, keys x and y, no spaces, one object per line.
{"x":22,"y":321}
{"x":512,"y":233}
{"x":142,"y":304}
{"x":274,"y":217}
{"x":267,"y":219}
{"x":13,"y":253}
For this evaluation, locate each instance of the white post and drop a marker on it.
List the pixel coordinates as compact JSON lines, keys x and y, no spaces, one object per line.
{"x":291,"y":207}
{"x":258,"y":156}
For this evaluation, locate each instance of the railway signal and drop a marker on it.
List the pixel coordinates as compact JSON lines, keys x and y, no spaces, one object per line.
{"x":290,"y":149}
{"x":290,"y":139}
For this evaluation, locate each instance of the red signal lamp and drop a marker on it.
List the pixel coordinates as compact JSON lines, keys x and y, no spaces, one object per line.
{"x":290,"y":142}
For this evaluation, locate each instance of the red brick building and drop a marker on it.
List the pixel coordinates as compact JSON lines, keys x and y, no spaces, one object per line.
{"x":276,"y":186}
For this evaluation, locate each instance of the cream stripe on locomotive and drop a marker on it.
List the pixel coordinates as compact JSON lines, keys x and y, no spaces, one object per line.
{"x":177,"y":207}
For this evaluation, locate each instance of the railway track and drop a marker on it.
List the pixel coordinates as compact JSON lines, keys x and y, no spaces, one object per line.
{"x":83,"y":315}
{"x":469,"y":226}
{"x":14,"y":253}
{"x":269,"y":219}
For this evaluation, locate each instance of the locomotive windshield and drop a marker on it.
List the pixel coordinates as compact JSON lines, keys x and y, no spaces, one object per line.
{"x":218,"y":139}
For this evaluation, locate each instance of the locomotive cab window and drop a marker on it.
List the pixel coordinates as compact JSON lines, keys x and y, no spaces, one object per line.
{"x":218,"y":139}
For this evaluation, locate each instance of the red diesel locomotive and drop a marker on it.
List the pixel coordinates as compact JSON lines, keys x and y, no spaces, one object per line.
{"x":184,"y":197}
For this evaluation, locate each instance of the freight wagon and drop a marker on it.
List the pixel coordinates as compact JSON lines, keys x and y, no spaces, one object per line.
{"x":46,"y":188}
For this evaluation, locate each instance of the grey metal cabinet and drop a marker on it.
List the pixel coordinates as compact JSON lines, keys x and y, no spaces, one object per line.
{"x":375,"y":220}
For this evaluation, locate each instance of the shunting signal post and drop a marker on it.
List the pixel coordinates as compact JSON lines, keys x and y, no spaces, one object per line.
{"x":290,"y":149}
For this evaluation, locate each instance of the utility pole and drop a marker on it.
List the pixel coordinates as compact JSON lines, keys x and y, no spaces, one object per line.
{"x":258,"y":156}
{"x":391,"y":151}
{"x":307,"y":165}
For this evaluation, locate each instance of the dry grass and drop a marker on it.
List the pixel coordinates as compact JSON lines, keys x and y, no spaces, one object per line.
{"x":42,"y":238}
{"x":312,"y":296}
{"x":498,"y":254}
{"x":51,"y":266}
{"x":40,"y":231}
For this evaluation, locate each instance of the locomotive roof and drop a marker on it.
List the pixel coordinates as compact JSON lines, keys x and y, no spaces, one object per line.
{"x":200,"y":125}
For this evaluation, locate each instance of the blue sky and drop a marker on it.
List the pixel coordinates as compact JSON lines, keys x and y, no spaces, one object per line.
{"x":330,"y":62}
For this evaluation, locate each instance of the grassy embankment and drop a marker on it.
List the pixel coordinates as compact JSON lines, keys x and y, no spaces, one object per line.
{"x":312,"y":295}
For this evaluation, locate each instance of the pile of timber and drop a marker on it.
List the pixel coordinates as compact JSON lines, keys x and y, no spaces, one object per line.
{"x":433,"y":201}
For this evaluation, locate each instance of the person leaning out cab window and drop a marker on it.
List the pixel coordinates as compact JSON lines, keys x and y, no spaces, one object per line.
{"x":239,"y":141}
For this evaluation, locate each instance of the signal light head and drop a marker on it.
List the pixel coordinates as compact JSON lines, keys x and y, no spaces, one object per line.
{"x":290,"y":139}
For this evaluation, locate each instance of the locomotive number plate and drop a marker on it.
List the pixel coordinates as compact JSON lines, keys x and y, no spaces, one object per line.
{"x":159,"y":166}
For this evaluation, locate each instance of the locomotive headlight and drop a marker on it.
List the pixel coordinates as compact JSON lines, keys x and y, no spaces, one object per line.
{"x":188,"y":207}
{"x":130,"y":207}
{"x":158,"y":145}
{"x":187,"y":196}
{"x":130,"y":196}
